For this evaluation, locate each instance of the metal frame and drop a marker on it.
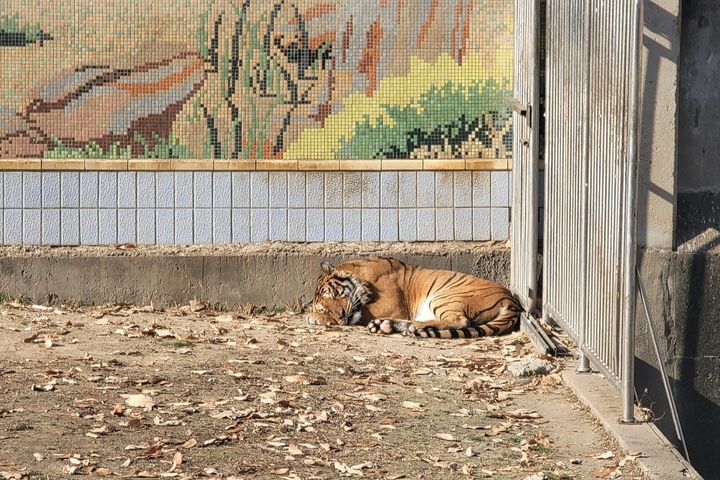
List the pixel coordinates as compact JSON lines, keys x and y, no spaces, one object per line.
{"x":526,"y":152}
{"x":591,"y":150}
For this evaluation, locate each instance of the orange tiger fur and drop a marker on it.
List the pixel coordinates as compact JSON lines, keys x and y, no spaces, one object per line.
{"x":389,"y":296}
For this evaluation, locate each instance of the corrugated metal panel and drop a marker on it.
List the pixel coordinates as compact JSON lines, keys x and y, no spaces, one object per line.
{"x":591,"y":138}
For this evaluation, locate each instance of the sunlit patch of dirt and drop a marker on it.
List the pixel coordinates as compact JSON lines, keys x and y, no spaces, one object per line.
{"x":192,"y":393}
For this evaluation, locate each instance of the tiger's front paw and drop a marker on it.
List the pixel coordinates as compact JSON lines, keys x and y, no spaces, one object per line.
{"x":382,"y":326}
{"x":315,"y":318}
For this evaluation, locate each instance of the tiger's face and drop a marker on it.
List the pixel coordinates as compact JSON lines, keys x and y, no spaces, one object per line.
{"x":339,"y":296}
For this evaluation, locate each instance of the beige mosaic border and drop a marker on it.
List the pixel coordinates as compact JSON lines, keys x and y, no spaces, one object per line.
{"x":251,"y":165}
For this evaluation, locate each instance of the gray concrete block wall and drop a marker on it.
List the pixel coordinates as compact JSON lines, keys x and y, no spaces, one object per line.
{"x":101,"y":208}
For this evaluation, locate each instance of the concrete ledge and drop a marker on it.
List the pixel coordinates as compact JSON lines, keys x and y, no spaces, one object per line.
{"x":660,"y":460}
{"x":229,"y":276}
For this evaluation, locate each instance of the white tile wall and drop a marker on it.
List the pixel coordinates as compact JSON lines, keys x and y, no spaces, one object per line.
{"x":90,"y":208}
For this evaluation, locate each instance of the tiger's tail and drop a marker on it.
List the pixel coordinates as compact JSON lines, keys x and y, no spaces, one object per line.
{"x":504,"y":322}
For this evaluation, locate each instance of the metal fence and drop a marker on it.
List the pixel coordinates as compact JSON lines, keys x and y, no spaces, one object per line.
{"x":590,"y":177}
{"x":526,"y":145}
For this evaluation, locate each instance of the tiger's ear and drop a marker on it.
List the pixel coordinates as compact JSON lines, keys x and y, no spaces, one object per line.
{"x":327,"y":268}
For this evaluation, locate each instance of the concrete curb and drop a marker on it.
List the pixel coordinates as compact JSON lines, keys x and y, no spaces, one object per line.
{"x":275,"y":274}
{"x":660,"y":460}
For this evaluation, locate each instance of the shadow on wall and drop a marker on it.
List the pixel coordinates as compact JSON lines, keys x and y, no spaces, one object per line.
{"x":661,"y":48}
{"x":699,"y":417}
{"x":699,"y":97}
{"x":684,"y":291}
{"x":698,"y":223}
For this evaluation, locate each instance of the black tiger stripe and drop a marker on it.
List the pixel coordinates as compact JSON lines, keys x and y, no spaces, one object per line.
{"x":441,"y":305}
{"x":432,"y":287}
{"x":448,"y":281}
{"x":464,"y":280}
{"x":453,"y":333}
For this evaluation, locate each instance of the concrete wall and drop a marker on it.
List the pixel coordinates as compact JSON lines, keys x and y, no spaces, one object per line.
{"x":103,"y":208}
{"x":684,"y":294}
{"x":658,"y":148}
{"x":699,"y":126}
{"x":684,"y":286}
{"x":229,"y":276}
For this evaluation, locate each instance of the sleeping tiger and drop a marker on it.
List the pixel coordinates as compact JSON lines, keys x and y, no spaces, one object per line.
{"x":391,"y":297}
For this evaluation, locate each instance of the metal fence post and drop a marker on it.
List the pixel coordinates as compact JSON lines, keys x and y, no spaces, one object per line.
{"x":630,"y":222}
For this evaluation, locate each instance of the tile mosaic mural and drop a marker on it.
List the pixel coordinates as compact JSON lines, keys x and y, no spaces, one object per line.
{"x":256,"y":79}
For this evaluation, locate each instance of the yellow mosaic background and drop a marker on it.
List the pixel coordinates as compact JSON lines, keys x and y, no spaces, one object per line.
{"x":256,"y":79}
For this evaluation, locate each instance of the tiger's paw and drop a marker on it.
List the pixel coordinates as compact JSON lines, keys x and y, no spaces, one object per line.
{"x":381,"y":326}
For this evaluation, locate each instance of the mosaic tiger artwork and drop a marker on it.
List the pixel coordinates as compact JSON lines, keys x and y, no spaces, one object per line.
{"x":390,"y":296}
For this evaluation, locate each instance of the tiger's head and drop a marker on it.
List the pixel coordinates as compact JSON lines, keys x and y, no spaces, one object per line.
{"x":339,"y":297}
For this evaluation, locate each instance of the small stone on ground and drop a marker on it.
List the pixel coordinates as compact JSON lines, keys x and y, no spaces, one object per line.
{"x":530,"y":367}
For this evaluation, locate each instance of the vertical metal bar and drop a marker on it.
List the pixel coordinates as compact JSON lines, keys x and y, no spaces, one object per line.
{"x":533,"y":164}
{"x":584,"y":365}
{"x":627,"y":45}
{"x":549,"y":225}
{"x":630,"y":243}
{"x":583,"y":190}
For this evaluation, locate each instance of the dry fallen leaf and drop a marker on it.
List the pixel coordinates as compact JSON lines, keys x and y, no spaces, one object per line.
{"x":605,"y":456}
{"x":305,"y":380}
{"x":139,"y":401}
{"x":225,"y":318}
{"x":164,"y":333}
{"x":630,"y":458}
{"x":191,"y":443}
{"x":49,"y":387}
{"x":608,"y":472}
{"x":413,"y":406}
{"x":523,"y":414}
{"x":422,"y":371}
{"x":154,"y":451}
{"x":373,"y":408}
{"x":498,"y":429}
{"x":524,"y":459}
{"x":31,"y":338}
{"x":197,"y":306}
{"x":294,"y":450}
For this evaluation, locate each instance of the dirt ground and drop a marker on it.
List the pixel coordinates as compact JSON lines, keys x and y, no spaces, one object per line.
{"x":191,"y":393}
